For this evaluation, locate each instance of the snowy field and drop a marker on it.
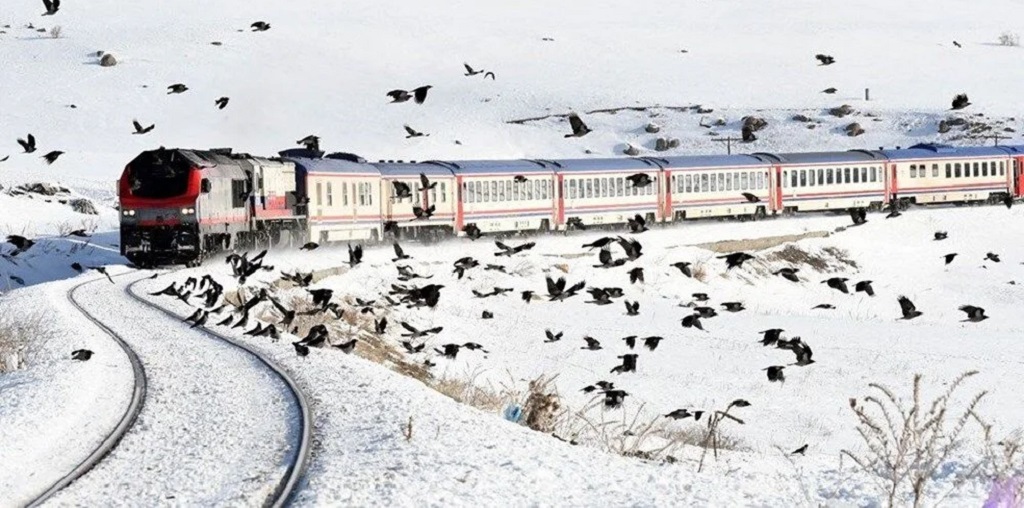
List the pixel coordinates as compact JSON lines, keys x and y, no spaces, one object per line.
{"x":324,"y":68}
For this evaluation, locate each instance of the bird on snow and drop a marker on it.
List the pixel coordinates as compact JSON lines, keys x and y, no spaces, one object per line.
{"x":859,"y":216}
{"x":20,"y":243}
{"x":907,"y":308}
{"x":957,"y":44}
{"x":652,"y":342}
{"x":826,"y":306}
{"x":733,"y":306}
{"x":579,"y":129}
{"x":628,"y":364}
{"x":355,"y":255}
{"x":28,"y":144}
{"x":139,"y":129}
{"x":974,"y":314}
{"x":614,"y":398}
{"x":992,"y":257}
{"x":309,"y":246}
{"x":636,"y":275}
{"x":81,"y":355}
{"x":771,"y":336}
{"x":825,"y":59}
{"x":684,"y":268}
{"x":632,"y":308}
{"x":592,"y":344}
{"x":799,"y":451}
{"x":553,"y":337}
{"x":637,"y":224}
{"x":346,"y":347}
{"x":692,"y":321}
{"x":600,"y":242}
{"x":399,"y":253}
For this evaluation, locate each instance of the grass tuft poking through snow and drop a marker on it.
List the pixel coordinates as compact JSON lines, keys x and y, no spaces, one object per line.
{"x":16,"y":338}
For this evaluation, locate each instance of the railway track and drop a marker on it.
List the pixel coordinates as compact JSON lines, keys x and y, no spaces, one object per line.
{"x":284,"y":477}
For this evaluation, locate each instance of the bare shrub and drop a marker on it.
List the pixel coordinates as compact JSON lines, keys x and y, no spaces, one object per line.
{"x":16,"y":334}
{"x":1009,"y":39}
{"x":1003,"y":463}
{"x":56,"y":32}
{"x":542,"y":405}
{"x":908,"y":441}
{"x":700,"y":271}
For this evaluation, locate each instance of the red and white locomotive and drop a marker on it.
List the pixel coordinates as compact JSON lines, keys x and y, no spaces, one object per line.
{"x":179,"y":205}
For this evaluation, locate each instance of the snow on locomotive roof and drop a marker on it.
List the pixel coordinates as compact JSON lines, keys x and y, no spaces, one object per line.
{"x":851,"y":156}
{"x":320,"y":165}
{"x":937,"y":151}
{"x":712,"y":161}
{"x":596,"y":165}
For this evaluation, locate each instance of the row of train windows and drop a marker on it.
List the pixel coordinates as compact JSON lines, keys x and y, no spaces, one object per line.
{"x":830,"y":176}
{"x":753,"y":180}
{"x":361,"y":192}
{"x":507,"y":190}
{"x":415,"y":198}
{"x":583,"y":188}
{"x":957,"y":170}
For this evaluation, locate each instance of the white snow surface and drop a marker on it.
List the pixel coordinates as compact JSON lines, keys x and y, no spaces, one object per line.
{"x":324,"y":68}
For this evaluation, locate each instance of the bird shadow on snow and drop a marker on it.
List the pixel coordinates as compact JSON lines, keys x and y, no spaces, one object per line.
{"x":51,"y":260}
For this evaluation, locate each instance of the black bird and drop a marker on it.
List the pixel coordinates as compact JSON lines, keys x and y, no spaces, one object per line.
{"x":450,"y":350}
{"x":992,"y":257}
{"x":222,"y":102}
{"x":775,"y":374}
{"x":771,"y":336}
{"x":830,"y":90}
{"x":825,"y":59}
{"x":201,"y":320}
{"x":413,"y":133}
{"x":865,"y":286}
{"x":652,"y":342}
{"x":614,"y":398}
{"x":803,"y":354}
{"x":399,"y":253}
{"x":957,"y":44}
{"x":632,"y":309}
{"x":974,"y":314}
{"x":490,"y":75}
{"x":894,"y":212}
{"x":692,"y":321}
{"x":470,"y":71}
{"x":227,"y":321}
{"x":636,"y":275}
{"x":425,"y":182}
{"x":260,"y":26}
{"x":28,"y":144}
{"x":735,"y":259}
{"x":747,"y":134}
{"x":300,"y":349}
{"x":700,"y":297}
{"x":527,"y":296}
{"x":825,"y":306}
{"x":579,"y":129}
{"x":495,"y":268}
{"x":838,"y":283}
{"x":309,"y":246}
{"x":941,"y":235}
{"x":421,"y":213}
{"x":600,"y":297}
{"x":401,"y":189}
{"x":553,"y":337}
{"x":632,"y":247}
{"x":575,"y":223}
{"x":82,"y":355}
{"x":76,"y":266}
{"x":799,"y":451}
{"x":637,"y":224}
{"x":52,"y":6}
{"x":519,"y":179}
{"x":949,"y":257}
{"x":20,"y":243}
{"x":355,"y":255}
{"x":600,"y":242}
{"x":509,"y":251}
{"x":640,"y":180}
{"x":960,"y":101}
{"x":409,"y":348}
{"x":139,"y":129}
{"x":907,"y":308}
{"x":628,"y":364}
{"x":859,"y":216}
{"x":176,"y":88}
{"x":419,"y":94}
{"x":751,"y":198}
{"x":788,"y":274}
{"x":592,"y":344}
{"x":1007,"y":200}
{"x":705,"y":312}
{"x":321,"y":297}
{"x":5,"y":157}
{"x":311,"y":142}
{"x":346,"y":347}
{"x":684,"y":267}
{"x":472,"y":231}
{"x":52,"y":156}
{"x":103,"y":270}
{"x":416,"y":333}
{"x":630,"y":341}
{"x":17,"y":279}
{"x":733,"y":306}
{"x":682,"y":414}
{"x":605,"y":259}
{"x":380,"y":325}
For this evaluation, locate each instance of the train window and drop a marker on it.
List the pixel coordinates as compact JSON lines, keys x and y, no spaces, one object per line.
{"x":572,"y":189}
{"x":369,"y":193}
{"x":846,"y":175}
{"x":976,"y":169}
{"x":856,"y":175}
{"x":714,"y":183}
{"x":319,"y":193}
{"x":829,"y":176}
{"x":793,"y":178}
{"x":703,"y":184}
{"x":467,"y":192}
{"x":502,"y":195}
{"x":984,"y":168}
{"x":546,"y":189}
{"x":620,"y":186}
{"x":444,"y":192}
{"x":913,"y":171}
{"x":803,"y":178}
{"x":935,"y":170}
{"x":603,"y":186}
{"x":688,"y":183}
{"x":330,"y":194}
{"x":1002,"y":168}
{"x":744,"y":180}
{"x":761,"y":180}
{"x":238,"y":194}
{"x":864,"y":175}
{"x":344,"y":195}
{"x":949,"y":170}
{"x":588,"y":188}
{"x":956,"y":170}
{"x":515,"y":192}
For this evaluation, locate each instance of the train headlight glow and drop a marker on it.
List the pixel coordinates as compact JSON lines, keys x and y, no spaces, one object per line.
{"x":128,"y":213}
{"x":188,"y":211}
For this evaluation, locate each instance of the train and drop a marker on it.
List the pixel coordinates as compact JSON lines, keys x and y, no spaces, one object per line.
{"x":179,"y":206}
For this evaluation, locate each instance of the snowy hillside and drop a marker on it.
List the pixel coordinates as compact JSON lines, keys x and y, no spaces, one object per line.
{"x":382,"y":434}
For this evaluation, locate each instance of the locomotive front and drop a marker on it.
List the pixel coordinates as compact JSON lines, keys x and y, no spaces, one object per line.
{"x":158,"y":192}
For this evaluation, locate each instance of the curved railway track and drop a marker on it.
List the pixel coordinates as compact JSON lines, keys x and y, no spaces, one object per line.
{"x":298,"y":452}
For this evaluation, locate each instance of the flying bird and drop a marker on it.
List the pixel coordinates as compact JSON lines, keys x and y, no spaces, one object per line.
{"x":837,"y":283}
{"x":636,"y":275}
{"x":52,"y":6}
{"x":222,"y":102}
{"x":788,"y":274}
{"x":957,"y":44}
{"x":413,"y":133}
{"x":553,"y":337}
{"x":771,"y":336}
{"x":908,"y":309}
{"x":941,"y":235}
{"x":421,"y":213}
{"x":826,"y":306}
{"x":52,"y":156}
{"x":684,"y":268}
{"x":470,"y":71}
{"x":592,"y":344}
{"x":960,"y":101}
{"x":310,"y":246}
{"x":735,"y":259}
{"x":510,"y":251}
{"x":632,"y":308}
{"x":775,"y":373}
{"x":28,"y":144}
{"x":825,"y":59}
{"x":139,"y":129}
{"x":579,"y":129}
{"x":260,"y":26}
{"x":974,"y":314}
{"x":600,"y":242}
{"x":399,"y":253}
{"x":865,"y":286}
{"x":829,"y":90}
{"x":949,"y":257}
{"x":751,"y":198}
{"x":401,"y":189}
{"x":637,"y":224}
{"x":176,"y":89}
{"x":418,"y":94}
{"x":692,"y":321}
{"x":640,"y":179}
{"x":81,"y":355}
{"x":992,"y":257}
{"x":652,"y":342}
{"x":489,"y":74}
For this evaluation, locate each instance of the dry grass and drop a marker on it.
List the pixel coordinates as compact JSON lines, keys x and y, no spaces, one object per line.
{"x":700,"y":271}
{"x":56,"y":32}
{"x":1009,"y":39}
{"x":467,"y":390}
{"x":829,"y":260}
{"x":907,"y":442}
{"x":16,"y":335}
{"x":755,"y":244}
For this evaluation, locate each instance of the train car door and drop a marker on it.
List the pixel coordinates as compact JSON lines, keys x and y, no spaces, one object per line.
{"x":1018,"y":171}
{"x":559,"y":200}
{"x":388,"y":203}
{"x":775,"y":188}
{"x":666,"y":210}
{"x":891,"y":182}
{"x":457,"y":196}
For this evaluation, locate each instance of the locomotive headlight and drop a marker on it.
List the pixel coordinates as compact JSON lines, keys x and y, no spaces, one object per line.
{"x":188,"y":211}
{"x":128,"y":213}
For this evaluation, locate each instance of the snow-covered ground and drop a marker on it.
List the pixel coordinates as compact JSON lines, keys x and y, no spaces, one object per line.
{"x":324,"y":68}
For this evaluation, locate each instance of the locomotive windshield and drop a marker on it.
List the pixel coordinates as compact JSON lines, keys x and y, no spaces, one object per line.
{"x":159,"y":174}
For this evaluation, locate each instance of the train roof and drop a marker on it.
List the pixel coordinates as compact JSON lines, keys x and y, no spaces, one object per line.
{"x":411,"y":169}
{"x":939,"y":151}
{"x":851,"y":156}
{"x":308,"y":164}
{"x":710,"y":161}
{"x":604,"y":164}
{"x":520,"y":166}
{"x":1012,"y":149}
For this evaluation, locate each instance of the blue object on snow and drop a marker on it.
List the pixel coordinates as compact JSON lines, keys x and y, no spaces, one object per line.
{"x":513,"y":413}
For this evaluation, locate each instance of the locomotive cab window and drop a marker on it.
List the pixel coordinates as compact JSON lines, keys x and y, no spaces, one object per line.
{"x":238,"y":194}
